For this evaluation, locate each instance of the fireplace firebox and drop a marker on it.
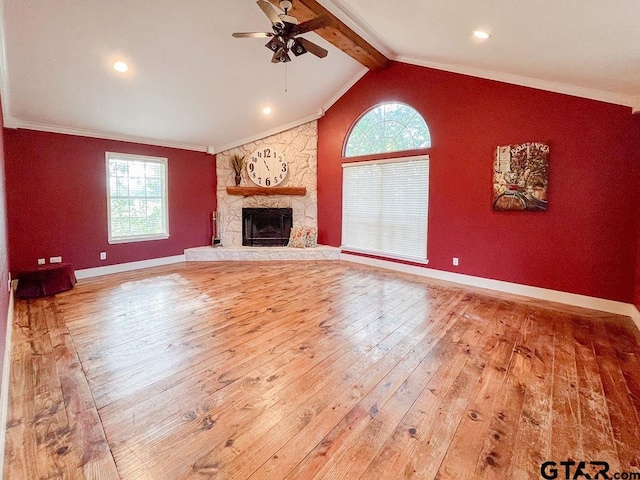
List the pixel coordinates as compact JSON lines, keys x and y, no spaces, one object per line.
{"x":266,"y":227}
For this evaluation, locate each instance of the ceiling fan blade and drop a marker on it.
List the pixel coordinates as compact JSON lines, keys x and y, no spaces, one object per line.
{"x":313,"y":24}
{"x":311,"y":47}
{"x":253,"y":34}
{"x":270,"y":11}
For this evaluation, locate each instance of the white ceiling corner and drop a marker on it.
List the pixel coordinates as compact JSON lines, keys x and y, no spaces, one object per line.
{"x":576,"y":91}
{"x":345,"y":88}
{"x":268,"y":133}
{"x":281,"y":128}
{"x":190,"y":82}
{"x":191,"y":85}
{"x":590,"y":50}
{"x":81,"y":132}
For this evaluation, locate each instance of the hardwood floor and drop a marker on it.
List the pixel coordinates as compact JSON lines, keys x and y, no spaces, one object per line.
{"x":307,"y":370}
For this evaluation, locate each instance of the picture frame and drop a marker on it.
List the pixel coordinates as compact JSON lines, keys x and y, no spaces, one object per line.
{"x":521,"y":177}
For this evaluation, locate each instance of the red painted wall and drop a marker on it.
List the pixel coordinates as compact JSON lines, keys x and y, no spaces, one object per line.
{"x":585,"y":243}
{"x":636,"y":160}
{"x":4,"y":258}
{"x":57,"y":200}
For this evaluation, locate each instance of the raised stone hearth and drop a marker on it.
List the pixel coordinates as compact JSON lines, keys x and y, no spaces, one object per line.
{"x":223,"y":254}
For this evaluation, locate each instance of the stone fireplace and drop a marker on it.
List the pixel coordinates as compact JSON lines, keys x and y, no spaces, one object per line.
{"x":299,"y":147}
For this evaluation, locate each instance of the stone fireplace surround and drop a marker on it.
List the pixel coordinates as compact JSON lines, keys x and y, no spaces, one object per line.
{"x":299,"y":146}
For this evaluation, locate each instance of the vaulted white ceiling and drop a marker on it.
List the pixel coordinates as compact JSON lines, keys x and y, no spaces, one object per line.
{"x":190,"y":83}
{"x":592,"y":45}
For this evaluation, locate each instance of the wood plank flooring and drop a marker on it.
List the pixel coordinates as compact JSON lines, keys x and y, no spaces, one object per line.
{"x":313,"y":370}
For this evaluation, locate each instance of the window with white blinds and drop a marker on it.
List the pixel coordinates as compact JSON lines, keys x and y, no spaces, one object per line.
{"x":137,"y":198}
{"x":384,"y":207}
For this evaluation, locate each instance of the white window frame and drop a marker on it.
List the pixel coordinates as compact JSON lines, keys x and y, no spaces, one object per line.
{"x":348,"y":248}
{"x":165,"y":198}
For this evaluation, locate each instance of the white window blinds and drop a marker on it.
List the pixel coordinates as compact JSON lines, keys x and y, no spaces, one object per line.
{"x":137,"y":196}
{"x":384,"y":207}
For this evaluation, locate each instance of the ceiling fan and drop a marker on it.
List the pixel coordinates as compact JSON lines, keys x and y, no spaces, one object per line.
{"x":285,"y":30}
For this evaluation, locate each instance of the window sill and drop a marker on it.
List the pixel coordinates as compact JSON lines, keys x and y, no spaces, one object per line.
{"x":113,"y":241}
{"x":383,"y":256}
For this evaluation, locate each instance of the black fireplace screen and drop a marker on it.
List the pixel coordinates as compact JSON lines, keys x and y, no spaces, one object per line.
{"x":266,"y":227}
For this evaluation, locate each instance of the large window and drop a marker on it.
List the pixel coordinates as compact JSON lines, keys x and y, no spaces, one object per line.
{"x":388,"y":127}
{"x":384,"y":207}
{"x":137,"y":198}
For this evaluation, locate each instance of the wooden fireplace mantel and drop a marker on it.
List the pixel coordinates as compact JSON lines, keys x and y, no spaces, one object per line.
{"x":247,"y":191}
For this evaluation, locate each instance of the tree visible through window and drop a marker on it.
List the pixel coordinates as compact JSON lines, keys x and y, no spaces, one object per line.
{"x":137,"y":196}
{"x":389,"y":127}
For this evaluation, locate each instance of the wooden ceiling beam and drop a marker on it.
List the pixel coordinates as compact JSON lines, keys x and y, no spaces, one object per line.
{"x":339,"y":34}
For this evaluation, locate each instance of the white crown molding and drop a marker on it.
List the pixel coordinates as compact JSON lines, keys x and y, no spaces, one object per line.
{"x":212,"y":150}
{"x":346,"y":87}
{"x":268,"y":133}
{"x":80,"y":132}
{"x":126,"y":267}
{"x":9,"y":121}
{"x":583,"y":92}
{"x":566,"y":298}
{"x":356,"y":24}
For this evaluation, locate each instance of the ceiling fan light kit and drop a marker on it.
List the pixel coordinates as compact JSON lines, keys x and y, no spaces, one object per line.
{"x":285,"y":31}
{"x":281,"y":56}
{"x":275,"y":44}
{"x":297,"y":48}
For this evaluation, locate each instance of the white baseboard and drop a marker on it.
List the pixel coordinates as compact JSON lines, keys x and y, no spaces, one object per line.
{"x":574,"y":299}
{"x":635,"y":315}
{"x":4,"y":386}
{"x":125,"y":267}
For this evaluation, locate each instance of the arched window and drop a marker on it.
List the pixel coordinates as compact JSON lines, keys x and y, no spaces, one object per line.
{"x":388,"y":127}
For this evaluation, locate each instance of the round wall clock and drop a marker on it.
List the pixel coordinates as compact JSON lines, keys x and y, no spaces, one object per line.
{"x":266,"y":167}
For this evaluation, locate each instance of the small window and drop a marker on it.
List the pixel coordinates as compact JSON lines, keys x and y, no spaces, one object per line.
{"x":389,"y":127}
{"x":384,"y":207}
{"x":137,"y":198}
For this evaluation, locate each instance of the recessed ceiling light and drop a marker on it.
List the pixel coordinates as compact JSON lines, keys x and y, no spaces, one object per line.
{"x":481,"y":34}
{"x":266,"y":110}
{"x":120,"y":67}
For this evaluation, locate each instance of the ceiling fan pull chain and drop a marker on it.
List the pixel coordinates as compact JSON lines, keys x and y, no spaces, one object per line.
{"x":285,"y":78}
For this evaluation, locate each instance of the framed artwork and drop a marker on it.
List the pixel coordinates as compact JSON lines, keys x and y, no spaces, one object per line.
{"x":521,"y":177}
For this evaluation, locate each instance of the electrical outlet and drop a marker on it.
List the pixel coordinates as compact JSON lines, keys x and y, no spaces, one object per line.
{"x":103,"y":255}
{"x":455,"y":261}
{"x":55,"y":259}
{"x":41,"y":261}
